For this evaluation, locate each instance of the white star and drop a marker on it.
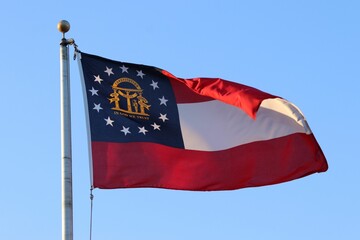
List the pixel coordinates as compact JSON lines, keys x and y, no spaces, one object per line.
{"x":108,"y":71}
{"x":140,"y":73}
{"x":97,"y":107}
{"x":155,"y":126}
{"x":93,"y":91}
{"x":142,"y":130}
{"x":163,"y":117}
{"x":98,"y":79}
{"x":154,"y":84}
{"x":124,"y":69}
{"x":125,"y":130}
{"x":109,"y":121}
{"x":163,"y":100}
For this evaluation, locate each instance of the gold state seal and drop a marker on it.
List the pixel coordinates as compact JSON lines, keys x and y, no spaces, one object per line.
{"x":136,"y":104}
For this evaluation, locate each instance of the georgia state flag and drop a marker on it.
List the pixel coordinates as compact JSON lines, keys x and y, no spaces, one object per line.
{"x":149,"y":128}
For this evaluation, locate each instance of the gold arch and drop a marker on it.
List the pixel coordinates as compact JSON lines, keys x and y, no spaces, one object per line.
{"x":129,"y":80}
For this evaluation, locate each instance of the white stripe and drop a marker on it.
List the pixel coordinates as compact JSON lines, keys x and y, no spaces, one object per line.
{"x":214,"y":125}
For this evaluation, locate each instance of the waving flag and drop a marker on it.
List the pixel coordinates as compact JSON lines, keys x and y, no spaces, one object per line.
{"x":148,"y":128}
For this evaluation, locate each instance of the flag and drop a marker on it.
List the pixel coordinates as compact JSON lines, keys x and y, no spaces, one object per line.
{"x":148,"y":128}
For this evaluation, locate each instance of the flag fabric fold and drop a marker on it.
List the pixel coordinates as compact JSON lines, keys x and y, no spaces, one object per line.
{"x":149,"y":128}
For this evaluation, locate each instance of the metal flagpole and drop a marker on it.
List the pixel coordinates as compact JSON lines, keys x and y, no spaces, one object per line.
{"x":66,"y":161}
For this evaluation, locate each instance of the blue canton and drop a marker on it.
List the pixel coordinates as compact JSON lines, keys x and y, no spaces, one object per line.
{"x":130,"y":103}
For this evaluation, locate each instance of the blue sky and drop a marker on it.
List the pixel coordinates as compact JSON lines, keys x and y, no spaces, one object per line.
{"x":305,"y":51}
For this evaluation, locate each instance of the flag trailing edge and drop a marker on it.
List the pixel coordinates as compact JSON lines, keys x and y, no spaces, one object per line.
{"x":148,"y":128}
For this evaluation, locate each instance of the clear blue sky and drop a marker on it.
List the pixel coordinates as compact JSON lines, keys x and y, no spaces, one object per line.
{"x":305,"y":51}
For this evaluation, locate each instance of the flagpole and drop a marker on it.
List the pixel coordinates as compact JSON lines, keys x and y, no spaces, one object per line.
{"x":66,"y":158}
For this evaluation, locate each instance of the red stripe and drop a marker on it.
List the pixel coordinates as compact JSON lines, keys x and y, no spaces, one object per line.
{"x":119,"y":165}
{"x":204,"y":89}
{"x":185,"y":95}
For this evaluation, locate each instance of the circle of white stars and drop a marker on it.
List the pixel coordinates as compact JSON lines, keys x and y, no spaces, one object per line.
{"x":125,"y":130}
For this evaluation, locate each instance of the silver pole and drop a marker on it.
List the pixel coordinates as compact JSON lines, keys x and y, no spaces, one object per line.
{"x":66,"y":161}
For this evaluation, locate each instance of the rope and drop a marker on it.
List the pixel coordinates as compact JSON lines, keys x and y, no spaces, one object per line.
{"x":76,"y":50}
{"x":91,"y":211}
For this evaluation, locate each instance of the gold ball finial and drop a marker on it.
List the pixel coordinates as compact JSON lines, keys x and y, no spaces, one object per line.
{"x":63,"y":26}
